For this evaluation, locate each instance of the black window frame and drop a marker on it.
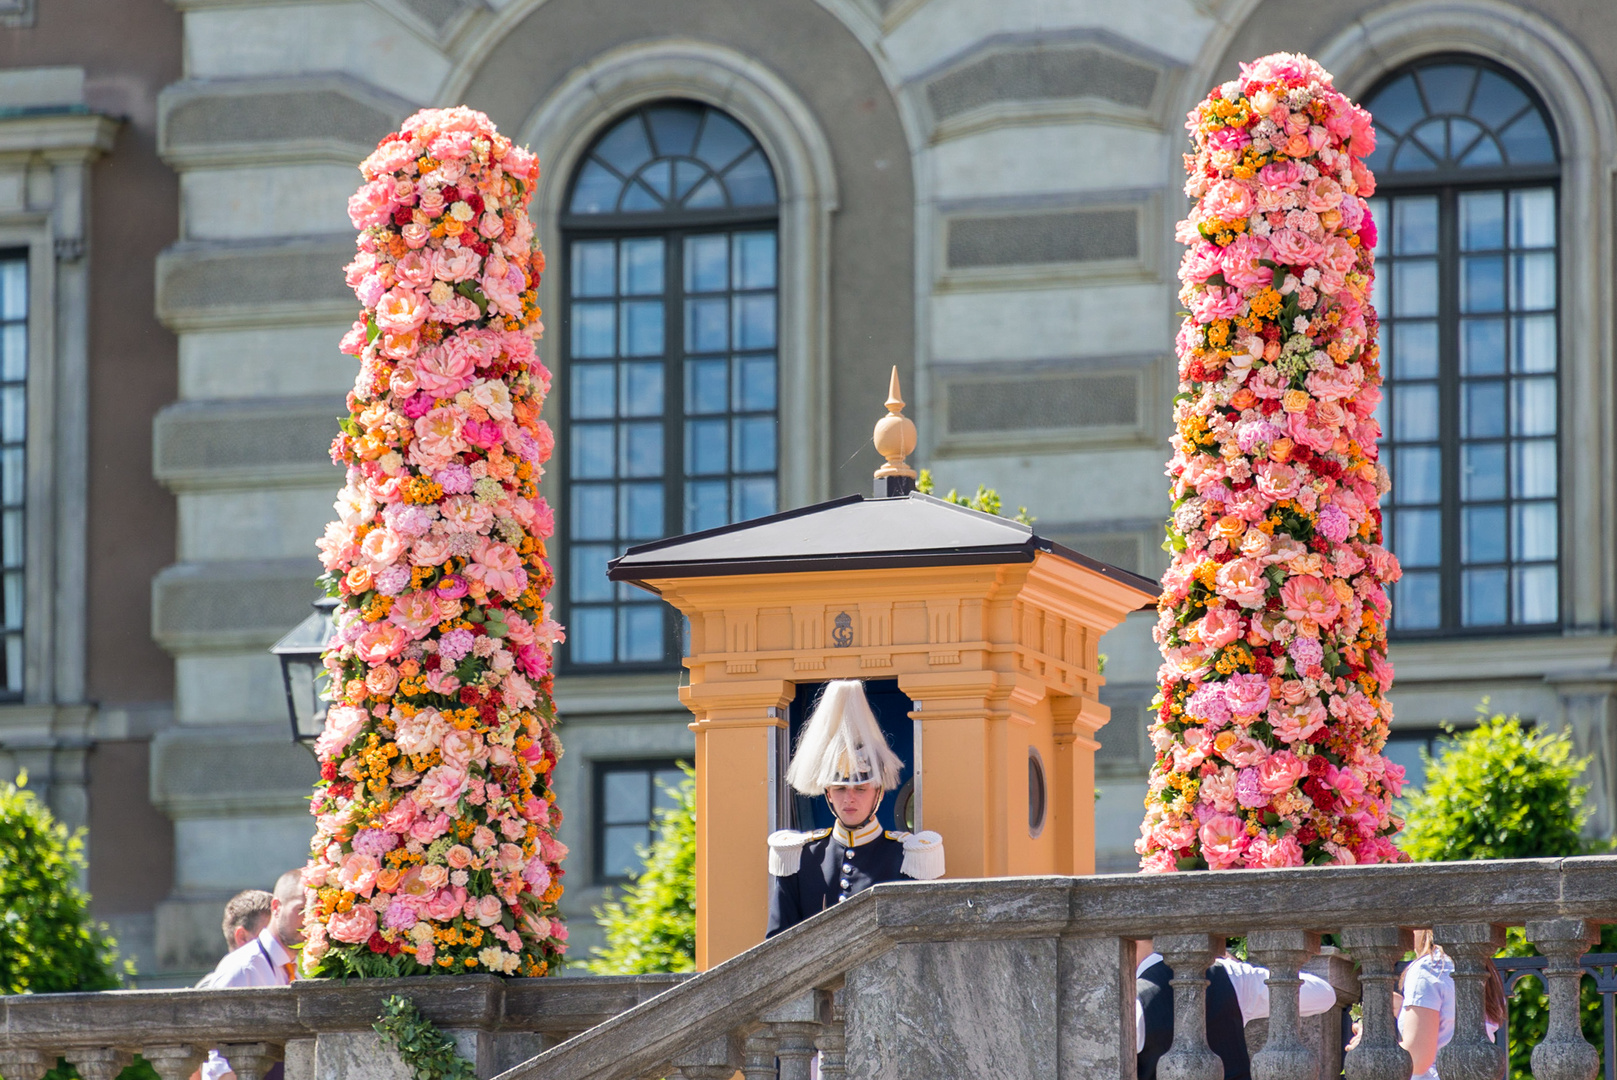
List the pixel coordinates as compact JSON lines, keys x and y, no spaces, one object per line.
{"x":600,"y":769}
{"x":674,"y":228}
{"x":1447,"y":185}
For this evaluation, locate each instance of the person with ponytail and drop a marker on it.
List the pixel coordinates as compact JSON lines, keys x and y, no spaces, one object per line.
{"x":842,"y":755}
{"x":1426,"y":1005}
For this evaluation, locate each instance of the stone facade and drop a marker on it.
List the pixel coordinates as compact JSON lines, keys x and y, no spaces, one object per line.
{"x":980,"y":193}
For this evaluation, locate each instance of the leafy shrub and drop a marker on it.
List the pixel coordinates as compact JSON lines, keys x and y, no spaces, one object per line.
{"x":986,"y":500}
{"x":48,"y":942}
{"x":1502,"y":791}
{"x":651,"y":928}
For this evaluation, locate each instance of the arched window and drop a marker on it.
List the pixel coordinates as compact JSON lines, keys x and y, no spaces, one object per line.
{"x":669,"y":379}
{"x":1467,"y":171}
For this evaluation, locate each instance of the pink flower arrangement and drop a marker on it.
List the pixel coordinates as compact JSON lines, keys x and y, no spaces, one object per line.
{"x":434,"y":848}
{"x":1272,"y":622}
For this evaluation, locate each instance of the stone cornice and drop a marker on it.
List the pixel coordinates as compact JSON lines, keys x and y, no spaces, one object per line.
{"x":60,"y":137}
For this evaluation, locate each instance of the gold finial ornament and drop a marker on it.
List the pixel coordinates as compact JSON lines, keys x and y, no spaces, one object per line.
{"x":895,"y":436}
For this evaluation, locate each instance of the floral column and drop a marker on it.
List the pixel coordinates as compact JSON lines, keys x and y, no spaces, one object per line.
{"x":435,"y":849}
{"x":1272,"y":623}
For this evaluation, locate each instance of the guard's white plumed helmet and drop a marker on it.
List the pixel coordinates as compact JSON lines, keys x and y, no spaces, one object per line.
{"x":842,"y":744}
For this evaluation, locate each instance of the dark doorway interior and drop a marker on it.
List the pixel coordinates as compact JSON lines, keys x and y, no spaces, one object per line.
{"x":892,"y":708}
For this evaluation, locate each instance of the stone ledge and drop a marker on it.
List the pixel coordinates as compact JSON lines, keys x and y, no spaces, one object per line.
{"x":231,"y":605}
{"x":311,"y":118}
{"x":230,"y":770}
{"x":296,"y":281}
{"x":245,"y":443}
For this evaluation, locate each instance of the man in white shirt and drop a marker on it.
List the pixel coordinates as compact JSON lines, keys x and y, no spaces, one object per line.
{"x":246,"y":915}
{"x":266,"y":960}
{"x":1238,"y":993}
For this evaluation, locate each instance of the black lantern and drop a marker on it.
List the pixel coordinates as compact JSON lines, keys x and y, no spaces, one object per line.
{"x":305,"y":676}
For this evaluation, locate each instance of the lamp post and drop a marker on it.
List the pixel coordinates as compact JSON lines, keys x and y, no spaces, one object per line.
{"x":303,"y":673}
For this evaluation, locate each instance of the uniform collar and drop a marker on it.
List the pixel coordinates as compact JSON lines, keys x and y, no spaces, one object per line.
{"x":864,"y":834}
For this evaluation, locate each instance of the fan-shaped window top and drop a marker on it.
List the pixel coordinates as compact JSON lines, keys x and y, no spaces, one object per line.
{"x":673,"y":157}
{"x":1447,"y":116}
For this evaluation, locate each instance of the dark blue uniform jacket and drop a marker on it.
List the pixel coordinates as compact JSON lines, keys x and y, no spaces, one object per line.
{"x":834,"y":866}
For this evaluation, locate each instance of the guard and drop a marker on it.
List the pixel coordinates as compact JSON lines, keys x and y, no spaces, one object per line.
{"x":842,"y":755}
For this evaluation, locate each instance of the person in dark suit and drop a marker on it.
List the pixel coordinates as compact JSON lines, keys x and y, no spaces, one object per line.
{"x":842,"y":755}
{"x":1237,"y":993}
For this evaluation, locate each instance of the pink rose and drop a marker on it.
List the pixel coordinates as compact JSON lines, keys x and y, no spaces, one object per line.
{"x":499,"y":567}
{"x":354,"y":926}
{"x":1243,"y":581}
{"x":455,"y":265}
{"x":1224,"y":841}
{"x":1220,"y":626}
{"x":1280,"y":772}
{"x":383,"y":641}
{"x":438,"y":433}
{"x":434,"y":876}
{"x":489,"y":910}
{"x":1242,"y":262}
{"x":382,"y":547}
{"x":445,"y":904}
{"x":1227,"y":200}
{"x":1245,"y":752}
{"x":1308,"y":597}
{"x":431,"y":551}
{"x":1275,"y":853}
{"x":1200,"y":262}
{"x":1336,"y":383}
{"x":371,"y":205}
{"x":358,"y":873}
{"x":459,"y":857}
{"x":343,"y":722}
{"x":443,"y":372}
{"x":442,"y":787}
{"x":1291,"y":247}
{"x":401,"y":311}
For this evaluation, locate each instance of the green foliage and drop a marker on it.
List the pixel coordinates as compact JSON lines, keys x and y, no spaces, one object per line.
{"x":139,"y":1069}
{"x":427,"y":1052}
{"x":1501,"y":791}
{"x":986,"y":500}
{"x":48,"y":942}
{"x":652,"y":928}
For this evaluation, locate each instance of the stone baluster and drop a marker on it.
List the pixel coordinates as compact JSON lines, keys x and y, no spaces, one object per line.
{"x":101,"y":1062}
{"x":833,"y":1043}
{"x":249,"y":1061}
{"x":1471,"y":1054}
{"x":19,"y":1064}
{"x":1377,"y":950}
{"x":1564,"y":1054}
{"x":795,"y":1024}
{"x":1286,"y":1055}
{"x":758,"y":1055}
{"x":715,"y":1059}
{"x":173,"y":1062}
{"x":1190,"y":1058}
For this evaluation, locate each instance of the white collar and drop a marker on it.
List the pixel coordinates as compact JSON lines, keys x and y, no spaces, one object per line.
{"x":859,"y":837}
{"x":1148,"y":963}
{"x":277,"y":953}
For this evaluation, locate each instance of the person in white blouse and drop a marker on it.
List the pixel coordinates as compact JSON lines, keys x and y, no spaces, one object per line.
{"x":1238,"y":993}
{"x":1425,"y":1005}
{"x":265,"y":960}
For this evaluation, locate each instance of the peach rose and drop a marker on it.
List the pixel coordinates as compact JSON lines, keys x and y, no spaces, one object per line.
{"x":355,"y":926}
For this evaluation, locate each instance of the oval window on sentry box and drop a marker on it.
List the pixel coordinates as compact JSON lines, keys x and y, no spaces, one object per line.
{"x":1038,"y":800}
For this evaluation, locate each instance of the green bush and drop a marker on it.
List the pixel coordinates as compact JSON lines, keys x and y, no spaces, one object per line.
{"x":986,"y":500}
{"x":48,"y":942}
{"x":1502,"y":791}
{"x":651,"y":928}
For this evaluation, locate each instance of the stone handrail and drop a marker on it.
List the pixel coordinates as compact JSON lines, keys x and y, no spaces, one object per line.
{"x":1033,"y":977}
{"x":497,"y":1021}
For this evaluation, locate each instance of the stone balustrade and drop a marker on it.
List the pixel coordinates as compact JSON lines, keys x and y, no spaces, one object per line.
{"x":1034,"y":978}
{"x":1030,"y":977}
{"x":320,"y":1028}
